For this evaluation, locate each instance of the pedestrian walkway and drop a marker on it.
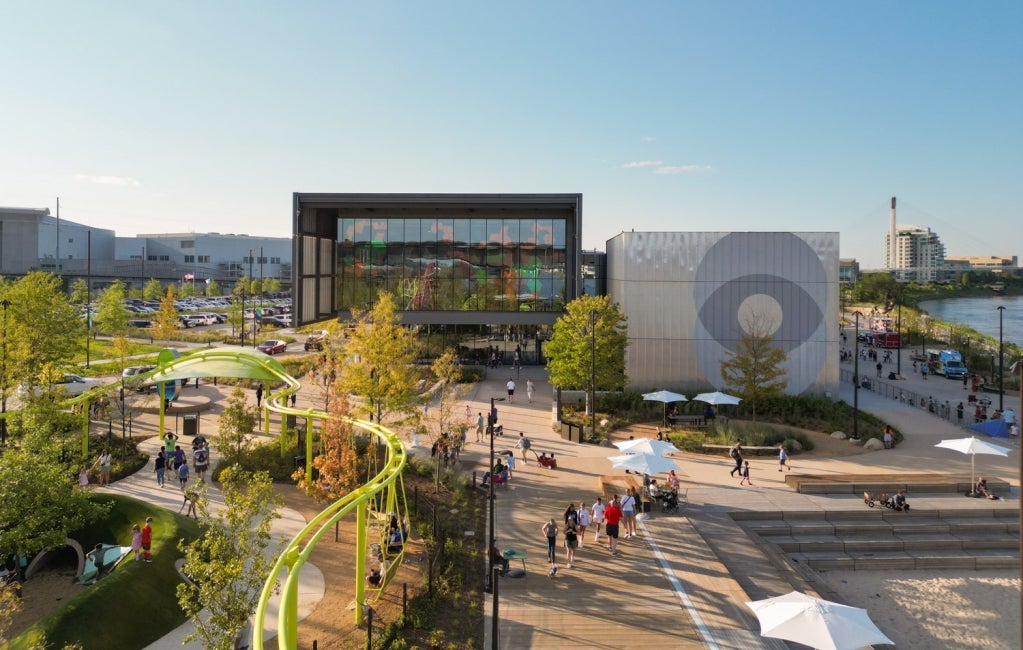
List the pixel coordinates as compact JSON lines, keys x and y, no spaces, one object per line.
{"x":684,"y":581}
{"x":142,"y":485}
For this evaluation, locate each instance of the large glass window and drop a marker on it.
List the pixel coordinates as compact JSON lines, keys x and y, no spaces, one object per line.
{"x":450,"y":263}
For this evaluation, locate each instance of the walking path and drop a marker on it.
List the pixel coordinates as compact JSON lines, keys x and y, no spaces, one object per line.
{"x":684,"y":581}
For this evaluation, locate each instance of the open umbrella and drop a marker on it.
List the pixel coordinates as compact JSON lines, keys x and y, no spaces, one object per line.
{"x":717,"y":398}
{"x":665,"y":396}
{"x":818,"y":623}
{"x":647,"y":446}
{"x":643,"y":463}
{"x":973,"y":446}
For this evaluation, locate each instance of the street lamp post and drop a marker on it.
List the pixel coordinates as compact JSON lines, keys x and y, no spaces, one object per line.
{"x":491,"y":421}
{"x":898,"y":329}
{"x":593,"y":372}
{"x":3,"y":378}
{"x":1001,"y":360}
{"x":856,"y":380}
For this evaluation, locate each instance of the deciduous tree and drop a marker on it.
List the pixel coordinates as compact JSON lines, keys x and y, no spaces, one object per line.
{"x":111,"y":314}
{"x":153,"y":290}
{"x":236,"y":422}
{"x":755,"y":370}
{"x":80,"y":294}
{"x":43,"y":328}
{"x":166,"y":324}
{"x":228,"y":564}
{"x":587,"y":348}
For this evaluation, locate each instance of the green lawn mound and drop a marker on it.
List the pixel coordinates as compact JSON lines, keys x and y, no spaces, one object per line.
{"x":136,"y":603}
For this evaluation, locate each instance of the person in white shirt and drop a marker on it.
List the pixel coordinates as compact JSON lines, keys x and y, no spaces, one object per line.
{"x":598,"y":517}
{"x":583,"y":520}
{"x":511,"y":388}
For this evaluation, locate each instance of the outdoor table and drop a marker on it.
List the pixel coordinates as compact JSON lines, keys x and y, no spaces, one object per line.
{"x":512,"y":554}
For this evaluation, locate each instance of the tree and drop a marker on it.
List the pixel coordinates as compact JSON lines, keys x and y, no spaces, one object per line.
{"x":339,"y":465}
{"x":80,"y":293}
{"x":754,"y":370}
{"x":875,"y":287}
{"x":213,"y":288}
{"x":153,"y":290}
{"x":44,"y":330}
{"x":166,"y":324}
{"x":383,"y":372}
{"x":186,"y":289}
{"x":42,"y":503}
{"x":111,"y":314}
{"x":587,"y":347}
{"x":236,"y":423}
{"x":228,"y":564}
{"x":272,"y":285}
{"x":443,"y":412}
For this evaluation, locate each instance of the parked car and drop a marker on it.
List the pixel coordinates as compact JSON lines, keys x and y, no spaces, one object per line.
{"x":140,"y":323}
{"x":272,"y":346}
{"x":74,"y":385}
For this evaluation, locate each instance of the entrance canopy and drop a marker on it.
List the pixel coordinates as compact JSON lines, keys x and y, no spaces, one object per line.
{"x":243,"y":363}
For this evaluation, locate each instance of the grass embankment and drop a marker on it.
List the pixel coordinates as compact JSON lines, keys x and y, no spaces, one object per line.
{"x":137,"y":603}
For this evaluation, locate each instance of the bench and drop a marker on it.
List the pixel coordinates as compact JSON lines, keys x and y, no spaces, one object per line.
{"x":746,"y":451}
{"x":890,"y":483}
{"x":691,"y":421}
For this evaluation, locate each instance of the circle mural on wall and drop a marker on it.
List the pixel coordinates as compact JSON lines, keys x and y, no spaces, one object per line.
{"x":772,"y":282}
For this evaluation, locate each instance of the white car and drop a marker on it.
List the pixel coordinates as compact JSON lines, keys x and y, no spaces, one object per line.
{"x":73,"y":385}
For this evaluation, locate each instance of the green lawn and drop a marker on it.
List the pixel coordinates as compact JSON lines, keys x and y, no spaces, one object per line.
{"x":137,"y":603}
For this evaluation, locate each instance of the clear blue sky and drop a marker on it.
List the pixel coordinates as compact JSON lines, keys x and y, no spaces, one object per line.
{"x":767,"y":115}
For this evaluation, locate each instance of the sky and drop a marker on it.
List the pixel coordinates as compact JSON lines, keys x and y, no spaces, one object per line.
{"x":667,"y":116}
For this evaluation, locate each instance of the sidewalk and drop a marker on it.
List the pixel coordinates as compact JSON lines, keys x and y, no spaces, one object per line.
{"x":682,"y":583}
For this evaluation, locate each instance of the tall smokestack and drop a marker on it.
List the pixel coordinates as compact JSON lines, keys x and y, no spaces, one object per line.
{"x":891,"y":238}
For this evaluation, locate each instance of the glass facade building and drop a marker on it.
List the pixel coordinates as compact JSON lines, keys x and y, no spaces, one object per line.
{"x":447,"y":258}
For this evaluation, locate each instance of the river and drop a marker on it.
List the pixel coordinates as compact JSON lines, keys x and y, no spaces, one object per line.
{"x":981,"y":314}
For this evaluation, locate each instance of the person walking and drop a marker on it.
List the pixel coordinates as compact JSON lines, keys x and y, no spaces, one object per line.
{"x":583,"y":523}
{"x":201,"y":460}
{"x":136,"y":541}
{"x":745,"y":475}
{"x":105,"y":463}
{"x":571,"y":542}
{"x":613,"y":517}
{"x":479,"y":427}
{"x":529,"y":390}
{"x":183,"y":475}
{"x":147,"y":540}
{"x":629,"y":508}
{"x":161,"y":467}
{"x":259,"y":395}
{"x":550,"y":531}
{"x":571,"y":516}
{"x":783,"y":458}
{"x":524,"y":444}
{"x":597,"y":512}
{"x":468,"y":414}
{"x":736,"y":454}
{"x":511,"y":389}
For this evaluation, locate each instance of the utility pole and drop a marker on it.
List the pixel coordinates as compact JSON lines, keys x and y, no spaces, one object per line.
{"x":88,"y":299}
{"x":254,"y":315}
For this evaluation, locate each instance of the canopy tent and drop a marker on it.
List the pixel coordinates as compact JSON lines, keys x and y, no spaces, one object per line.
{"x":242,"y":363}
{"x":716,"y":398}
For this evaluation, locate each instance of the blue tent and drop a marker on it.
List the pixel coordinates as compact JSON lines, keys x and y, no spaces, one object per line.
{"x":993,"y":428}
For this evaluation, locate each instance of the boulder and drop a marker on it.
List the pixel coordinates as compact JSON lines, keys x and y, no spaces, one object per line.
{"x":873,"y":444}
{"x":838,"y":435}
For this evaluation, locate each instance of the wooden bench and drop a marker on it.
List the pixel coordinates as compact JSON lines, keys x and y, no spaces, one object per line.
{"x":890,"y":483}
{"x":746,"y":451}
{"x":690,"y":421}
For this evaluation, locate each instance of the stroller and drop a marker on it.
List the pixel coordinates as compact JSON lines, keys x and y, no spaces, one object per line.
{"x":669,"y":501}
{"x":882,"y":500}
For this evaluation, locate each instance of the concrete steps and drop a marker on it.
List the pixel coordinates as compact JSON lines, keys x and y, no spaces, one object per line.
{"x":882,"y":539}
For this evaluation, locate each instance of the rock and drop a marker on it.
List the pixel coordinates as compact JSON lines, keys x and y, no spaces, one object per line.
{"x":873,"y":444}
{"x":838,"y":435}
{"x":604,"y":442}
{"x":793,"y":445}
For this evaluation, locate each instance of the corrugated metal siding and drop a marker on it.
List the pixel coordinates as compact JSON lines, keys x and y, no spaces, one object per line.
{"x":683,"y":292}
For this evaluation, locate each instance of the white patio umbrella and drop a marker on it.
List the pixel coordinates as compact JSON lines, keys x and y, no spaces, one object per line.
{"x":643,"y":463}
{"x":647,"y":446}
{"x":665,"y":396}
{"x":818,"y":623}
{"x":973,"y":446}
{"x":716,"y":398}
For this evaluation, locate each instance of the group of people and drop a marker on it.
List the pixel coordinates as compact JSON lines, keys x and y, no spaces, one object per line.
{"x":742,"y":466}
{"x":618,"y":518}
{"x":171,"y":457}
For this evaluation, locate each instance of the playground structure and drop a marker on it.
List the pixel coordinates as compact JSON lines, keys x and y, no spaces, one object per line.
{"x":383,"y":496}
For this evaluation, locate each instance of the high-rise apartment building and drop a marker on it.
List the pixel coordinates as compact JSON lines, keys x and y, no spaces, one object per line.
{"x":918,"y":254}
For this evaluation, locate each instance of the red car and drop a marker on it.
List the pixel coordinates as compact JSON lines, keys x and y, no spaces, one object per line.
{"x":272,"y":346}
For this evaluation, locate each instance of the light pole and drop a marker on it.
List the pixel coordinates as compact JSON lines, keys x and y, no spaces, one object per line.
{"x":856,"y":380}
{"x":593,"y":372}
{"x":3,"y":378}
{"x":898,"y":329}
{"x":1001,"y":360}
{"x":491,"y":421}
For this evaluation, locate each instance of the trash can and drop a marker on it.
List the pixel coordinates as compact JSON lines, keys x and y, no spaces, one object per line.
{"x":289,"y":421}
{"x":299,"y":462}
{"x":190,"y":425}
